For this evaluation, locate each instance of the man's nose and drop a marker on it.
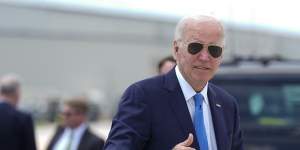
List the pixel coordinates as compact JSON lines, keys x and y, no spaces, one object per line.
{"x":203,"y":54}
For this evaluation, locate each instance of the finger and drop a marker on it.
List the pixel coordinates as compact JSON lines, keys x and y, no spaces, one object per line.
{"x":188,"y":141}
{"x":183,"y":148}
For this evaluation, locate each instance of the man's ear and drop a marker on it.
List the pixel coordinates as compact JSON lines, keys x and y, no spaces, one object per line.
{"x":175,"y":49}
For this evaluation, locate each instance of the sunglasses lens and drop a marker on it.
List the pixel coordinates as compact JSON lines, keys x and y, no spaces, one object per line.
{"x":215,"y":51}
{"x":194,"y":48}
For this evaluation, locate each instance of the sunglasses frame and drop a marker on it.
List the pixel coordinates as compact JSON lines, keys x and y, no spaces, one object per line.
{"x":211,"y":49}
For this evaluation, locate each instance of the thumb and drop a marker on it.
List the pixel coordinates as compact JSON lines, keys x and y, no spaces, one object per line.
{"x":188,"y":141}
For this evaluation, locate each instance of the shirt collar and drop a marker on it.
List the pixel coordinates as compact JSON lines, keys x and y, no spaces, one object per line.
{"x":79,"y":130}
{"x":187,"y":89}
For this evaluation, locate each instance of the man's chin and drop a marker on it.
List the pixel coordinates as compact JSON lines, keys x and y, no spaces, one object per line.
{"x":201,"y":78}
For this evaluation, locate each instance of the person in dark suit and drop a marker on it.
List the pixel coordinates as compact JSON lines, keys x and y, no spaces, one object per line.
{"x":16,"y":127}
{"x":75,"y":134}
{"x":181,"y":110}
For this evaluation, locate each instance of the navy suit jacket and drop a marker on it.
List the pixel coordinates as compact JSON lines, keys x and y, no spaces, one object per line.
{"x":153,"y":115}
{"x":16,"y":129}
{"x":88,"y":141}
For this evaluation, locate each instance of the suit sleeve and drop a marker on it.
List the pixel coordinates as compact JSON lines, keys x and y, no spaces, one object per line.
{"x":237,"y":139}
{"x":28,"y":133}
{"x":131,"y":126}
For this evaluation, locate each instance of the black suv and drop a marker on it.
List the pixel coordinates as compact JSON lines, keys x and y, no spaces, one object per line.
{"x":269,"y":98}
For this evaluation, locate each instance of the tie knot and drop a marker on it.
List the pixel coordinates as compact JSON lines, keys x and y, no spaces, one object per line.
{"x":198,"y":99}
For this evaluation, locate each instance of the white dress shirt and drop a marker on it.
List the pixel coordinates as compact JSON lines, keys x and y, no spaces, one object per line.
{"x":63,"y":141}
{"x":189,"y":93}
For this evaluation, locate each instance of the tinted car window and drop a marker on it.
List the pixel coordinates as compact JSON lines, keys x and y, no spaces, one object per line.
{"x":269,"y":109}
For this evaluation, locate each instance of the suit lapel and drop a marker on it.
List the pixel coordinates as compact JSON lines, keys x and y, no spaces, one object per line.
{"x":59,"y":131}
{"x":178,"y":105}
{"x":217,"y":112}
{"x":82,"y":144}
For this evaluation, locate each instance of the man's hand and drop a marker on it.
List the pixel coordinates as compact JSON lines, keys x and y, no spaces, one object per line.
{"x":185,"y":144}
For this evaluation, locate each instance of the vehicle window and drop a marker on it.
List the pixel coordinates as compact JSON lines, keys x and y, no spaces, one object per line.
{"x":292,"y":96}
{"x":267,"y":104}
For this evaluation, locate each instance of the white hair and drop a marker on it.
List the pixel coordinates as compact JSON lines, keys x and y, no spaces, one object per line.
{"x":181,"y":25}
{"x":9,"y":84}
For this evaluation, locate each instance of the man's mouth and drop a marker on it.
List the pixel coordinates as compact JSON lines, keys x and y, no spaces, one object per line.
{"x":201,"y":67}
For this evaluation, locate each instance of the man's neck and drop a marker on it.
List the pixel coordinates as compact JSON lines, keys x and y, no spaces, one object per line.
{"x":77,"y":125}
{"x":198,"y":87}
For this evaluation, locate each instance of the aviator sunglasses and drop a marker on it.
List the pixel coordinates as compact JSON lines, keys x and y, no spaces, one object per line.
{"x":214,"y":51}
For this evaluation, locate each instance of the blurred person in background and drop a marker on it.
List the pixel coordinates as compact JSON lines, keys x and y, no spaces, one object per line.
{"x":16,"y":127}
{"x":181,"y":110}
{"x":74,"y":133}
{"x":166,"y":64}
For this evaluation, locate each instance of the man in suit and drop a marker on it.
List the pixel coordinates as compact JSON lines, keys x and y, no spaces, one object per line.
{"x":75,"y":134}
{"x":181,"y":110}
{"x":16,"y":127}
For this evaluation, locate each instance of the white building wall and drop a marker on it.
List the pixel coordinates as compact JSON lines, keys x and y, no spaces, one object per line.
{"x":62,"y":52}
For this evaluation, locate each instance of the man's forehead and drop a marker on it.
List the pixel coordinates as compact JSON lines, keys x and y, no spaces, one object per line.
{"x":202,"y":34}
{"x":201,"y":31}
{"x":203,"y":24}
